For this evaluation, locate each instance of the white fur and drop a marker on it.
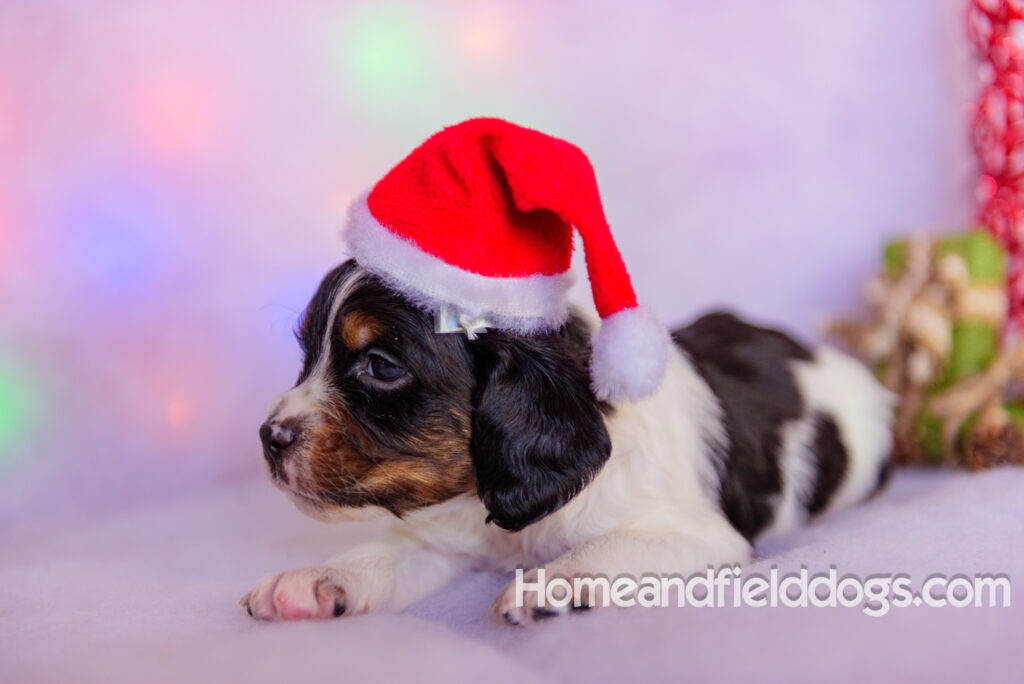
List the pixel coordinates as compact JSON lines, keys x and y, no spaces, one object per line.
{"x":653,"y":507}
{"x":796,"y":462}
{"x":833,"y":384}
{"x":843,"y":388}
{"x":629,"y":354}
{"x":527,"y":304}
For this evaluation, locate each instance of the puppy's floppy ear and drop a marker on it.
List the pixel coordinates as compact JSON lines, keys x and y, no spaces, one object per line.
{"x":538,"y":435}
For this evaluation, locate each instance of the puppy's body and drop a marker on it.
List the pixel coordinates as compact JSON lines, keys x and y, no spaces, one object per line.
{"x":748,"y":434}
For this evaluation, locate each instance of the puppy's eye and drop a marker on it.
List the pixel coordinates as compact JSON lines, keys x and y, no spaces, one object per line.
{"x":383,"y":369}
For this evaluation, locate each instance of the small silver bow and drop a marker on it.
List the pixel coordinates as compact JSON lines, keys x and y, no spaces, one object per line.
{"x":448,"y":320}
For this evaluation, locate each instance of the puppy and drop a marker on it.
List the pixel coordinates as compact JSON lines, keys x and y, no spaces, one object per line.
{"x":494,"y":452}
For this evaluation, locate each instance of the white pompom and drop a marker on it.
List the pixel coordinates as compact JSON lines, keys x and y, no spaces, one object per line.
{"x":629,"y":355}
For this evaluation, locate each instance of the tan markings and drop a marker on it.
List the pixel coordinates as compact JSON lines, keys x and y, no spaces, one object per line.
{"x":432,"y":466}
{"x":359,"y":329}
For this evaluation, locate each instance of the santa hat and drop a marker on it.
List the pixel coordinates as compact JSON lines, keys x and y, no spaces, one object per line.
{"x":476,"y":225}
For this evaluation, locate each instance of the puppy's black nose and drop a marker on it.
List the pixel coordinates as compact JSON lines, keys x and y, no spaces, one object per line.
{"x":277,"y":436}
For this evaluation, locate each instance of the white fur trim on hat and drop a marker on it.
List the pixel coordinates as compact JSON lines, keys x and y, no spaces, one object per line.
{"x":629,"y":354}
{"x":525,"y":305}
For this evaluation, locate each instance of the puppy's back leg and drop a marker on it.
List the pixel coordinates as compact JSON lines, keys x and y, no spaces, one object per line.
{"x":852,"y":418}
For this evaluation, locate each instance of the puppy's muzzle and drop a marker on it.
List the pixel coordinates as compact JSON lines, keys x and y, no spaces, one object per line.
{"x":278,"y":437}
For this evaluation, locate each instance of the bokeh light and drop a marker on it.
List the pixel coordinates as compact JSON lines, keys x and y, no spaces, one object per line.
{"x":173,"y":115}
{"x":122,"y":236}
{"x":482,"y":39}
{"x":20,"y":406}
{"x":179,"y":413}
{"x":115,"y":243}
{"x":385,"y":51}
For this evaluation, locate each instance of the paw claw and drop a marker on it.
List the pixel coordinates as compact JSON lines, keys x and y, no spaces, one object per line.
{"x":245,"y":603}
{"x":521,"y":610}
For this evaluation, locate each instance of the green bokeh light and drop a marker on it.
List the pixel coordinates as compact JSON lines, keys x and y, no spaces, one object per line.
{"x":385,"y":51}
{"x":20,"y":407}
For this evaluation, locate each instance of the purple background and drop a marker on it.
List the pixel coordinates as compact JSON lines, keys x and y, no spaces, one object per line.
{"x":173,"y":180}
{"x":174,"y":176}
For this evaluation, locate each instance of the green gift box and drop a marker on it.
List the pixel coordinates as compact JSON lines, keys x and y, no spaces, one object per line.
{"x":973,"y":344}
{"x":985,"y":258}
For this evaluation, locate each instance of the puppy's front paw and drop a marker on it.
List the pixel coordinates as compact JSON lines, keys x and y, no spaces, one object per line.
{"x":296,"y":595}
{"x":521,"y":610}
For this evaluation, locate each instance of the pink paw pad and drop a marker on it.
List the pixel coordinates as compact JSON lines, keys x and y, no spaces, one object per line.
{"x":295,"y":595}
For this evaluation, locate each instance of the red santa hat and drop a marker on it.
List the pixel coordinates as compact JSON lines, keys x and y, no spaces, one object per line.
{"x":476,"y":225}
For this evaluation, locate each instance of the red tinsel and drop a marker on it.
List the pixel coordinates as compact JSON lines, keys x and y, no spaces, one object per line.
{"x":998,"y":135}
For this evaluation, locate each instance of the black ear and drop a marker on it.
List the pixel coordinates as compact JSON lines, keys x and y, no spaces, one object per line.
{"x":538,"y":435}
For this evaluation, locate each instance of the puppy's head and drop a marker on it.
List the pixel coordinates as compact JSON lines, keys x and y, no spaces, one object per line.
{"x":387,"y":414}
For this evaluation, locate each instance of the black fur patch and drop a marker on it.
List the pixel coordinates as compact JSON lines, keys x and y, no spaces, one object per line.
{"x":747,"y":368}
{"x":830,"y":460}
{"x":538,"y":434}
{"x":515,"y":413}
{"x":400,"y":447}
